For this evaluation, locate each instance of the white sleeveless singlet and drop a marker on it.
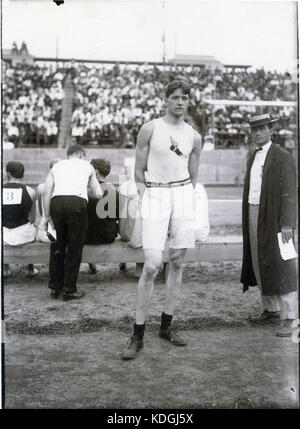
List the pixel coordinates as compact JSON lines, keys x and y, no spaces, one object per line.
{"x":170,"y":148}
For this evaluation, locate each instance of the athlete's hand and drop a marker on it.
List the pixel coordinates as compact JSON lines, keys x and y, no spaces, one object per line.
{"x":46,"y":223}
{"x":287,"y":233}
{"x":141,"y":187}
{"x":140,"y":199}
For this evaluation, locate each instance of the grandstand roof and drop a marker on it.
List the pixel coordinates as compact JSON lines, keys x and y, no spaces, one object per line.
{"x":195,"y":57}
{"x":82,"y":60}
{"x":201,"y":60}
{"x":237,"y":66}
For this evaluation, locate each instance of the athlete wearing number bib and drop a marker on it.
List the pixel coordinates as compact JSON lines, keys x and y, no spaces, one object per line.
{"x":17,"y":204}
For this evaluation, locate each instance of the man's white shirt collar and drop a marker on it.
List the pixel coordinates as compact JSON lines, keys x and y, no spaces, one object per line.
{"x":264,"y":148}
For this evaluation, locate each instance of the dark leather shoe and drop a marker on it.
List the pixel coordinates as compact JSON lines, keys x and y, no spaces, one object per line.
{"x":55,"y":293}
{"x":92,"y":269}
{"x":266,"y":316}
{"x":7,"y":273}
{"x":133,"y":346}
{"x":122,"y":266}
{"x":70,"y":296}
{"x":170,"y":335}
{"x":32,"y":273}
{"x":286,"y":329}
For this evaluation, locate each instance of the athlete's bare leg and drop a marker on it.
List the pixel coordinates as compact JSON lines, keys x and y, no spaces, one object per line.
{"x":174,"y":280}
{"x":153,"y":260}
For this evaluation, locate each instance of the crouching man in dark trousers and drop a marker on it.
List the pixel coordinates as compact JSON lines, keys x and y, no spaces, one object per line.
{"x":65,"y":200}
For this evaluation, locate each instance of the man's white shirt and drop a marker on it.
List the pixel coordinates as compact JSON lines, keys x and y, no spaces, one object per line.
{"x":256,"y":174}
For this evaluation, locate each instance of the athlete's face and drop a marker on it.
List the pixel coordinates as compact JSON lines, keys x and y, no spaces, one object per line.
{"x":177,"y":103}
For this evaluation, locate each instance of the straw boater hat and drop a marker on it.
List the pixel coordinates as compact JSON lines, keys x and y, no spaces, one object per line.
{"x":264,"y":119}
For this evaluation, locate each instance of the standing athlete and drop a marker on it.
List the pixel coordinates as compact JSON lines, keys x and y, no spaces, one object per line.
{"x":166,"y":169}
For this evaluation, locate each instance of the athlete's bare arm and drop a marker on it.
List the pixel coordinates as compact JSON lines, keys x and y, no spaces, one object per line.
{"x":39,"y":190}
{"x":141,"y":156}
{"x":48,"y":189}
{"x":94,"y":189}
{"x":32,"y":212}
{"x":195,"y":158}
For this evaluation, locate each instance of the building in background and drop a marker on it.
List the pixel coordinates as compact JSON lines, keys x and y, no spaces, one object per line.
{"x":197,"y":60}
{"x":18,"y":56}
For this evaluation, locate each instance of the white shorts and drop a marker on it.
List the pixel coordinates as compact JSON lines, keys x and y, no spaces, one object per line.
{"x":168,"y":213}
{"x":20,"y":235}
{"x":41,"y":233}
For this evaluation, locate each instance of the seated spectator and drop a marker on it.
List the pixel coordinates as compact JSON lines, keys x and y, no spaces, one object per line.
{"x":77,"y":132}
{"x":103,"y":214}
{"x":13,"y":133}
{"x":52,"y":132}
{"x":289,"y":144}
{"x":18,"y":212}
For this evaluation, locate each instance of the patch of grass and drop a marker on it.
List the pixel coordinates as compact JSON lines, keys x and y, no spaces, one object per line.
{"x":226,"y":230}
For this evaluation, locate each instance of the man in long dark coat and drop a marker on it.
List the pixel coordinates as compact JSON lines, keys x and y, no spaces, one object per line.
{"x":269,"y":208}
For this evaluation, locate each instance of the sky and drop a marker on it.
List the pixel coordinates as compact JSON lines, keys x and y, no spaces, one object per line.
{"x":257,"y":33}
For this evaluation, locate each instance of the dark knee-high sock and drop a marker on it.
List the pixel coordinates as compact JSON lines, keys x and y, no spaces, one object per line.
{"x":138,"y":331}
{"x":166,"y":320}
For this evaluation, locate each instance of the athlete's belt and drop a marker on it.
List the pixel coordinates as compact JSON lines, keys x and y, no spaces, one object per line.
{"x":168,"y":185}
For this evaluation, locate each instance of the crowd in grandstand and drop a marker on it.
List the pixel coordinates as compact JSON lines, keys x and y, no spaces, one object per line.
{"x":111,"y":101}
{"x":115,"y":101}
{"x":32,"y":103}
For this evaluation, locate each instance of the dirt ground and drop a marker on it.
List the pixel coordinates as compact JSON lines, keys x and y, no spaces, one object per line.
{"x":68,"y":354}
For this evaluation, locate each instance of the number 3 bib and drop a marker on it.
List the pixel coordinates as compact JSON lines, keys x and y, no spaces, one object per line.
{"x":12,"y":196}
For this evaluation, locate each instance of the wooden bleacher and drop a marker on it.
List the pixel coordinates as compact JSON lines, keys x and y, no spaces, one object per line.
{"x":216,"y":248}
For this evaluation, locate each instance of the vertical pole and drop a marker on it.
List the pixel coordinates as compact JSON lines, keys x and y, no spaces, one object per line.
{"x":213,"y":113}
{"x":175,"y":46}
{"x":164,"y":33}
{"x":57,"y":45}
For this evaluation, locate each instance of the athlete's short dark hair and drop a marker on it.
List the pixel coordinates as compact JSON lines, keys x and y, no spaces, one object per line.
{"x":102,"y":165}
{"x":16,"y":169}
{"x":75,"y":148}
{"x":178,"y":84}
